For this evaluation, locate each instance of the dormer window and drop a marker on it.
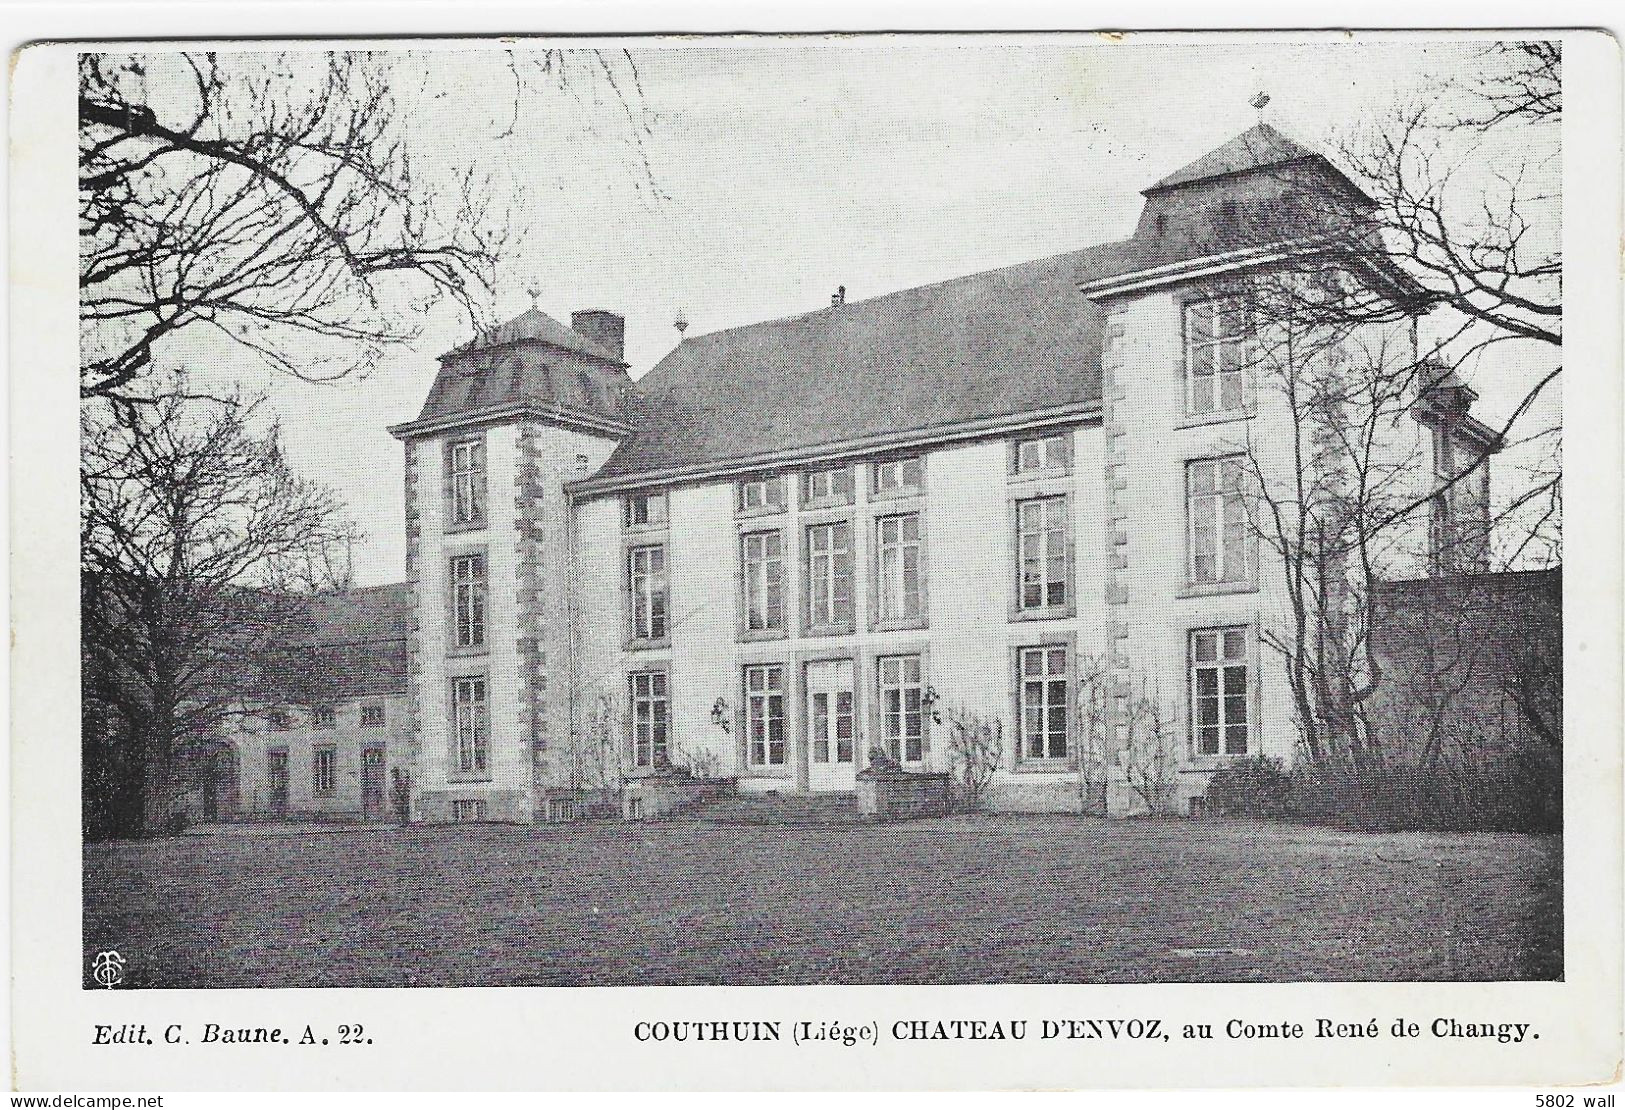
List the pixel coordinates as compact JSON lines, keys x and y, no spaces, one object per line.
{"x":1215,"y":356}
{"x":646,"y":510}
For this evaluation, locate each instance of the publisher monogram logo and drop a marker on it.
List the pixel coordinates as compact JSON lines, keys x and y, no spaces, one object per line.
{"x":108,"y":969}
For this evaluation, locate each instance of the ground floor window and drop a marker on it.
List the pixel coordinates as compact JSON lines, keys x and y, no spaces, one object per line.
{"x":902,"y":714}
{"x":470,"y":718}
{"x":1045,"y":702}
{"x":1219,"y":684}
{"x":764,"y":714}
{"x":650,"y":717}
{"x":321,"y":770}
{"x":465,"y":810}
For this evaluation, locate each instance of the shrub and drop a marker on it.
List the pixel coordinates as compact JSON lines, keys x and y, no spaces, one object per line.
{"x":1258,"y":787}
{"x":975,"y":751}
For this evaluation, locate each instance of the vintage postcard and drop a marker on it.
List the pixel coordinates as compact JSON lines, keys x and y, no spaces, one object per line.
{"x":875,"y":561}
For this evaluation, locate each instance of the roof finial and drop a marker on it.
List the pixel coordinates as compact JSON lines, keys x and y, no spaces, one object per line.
{"x":838,"y":298}
{"x":1259,"y":101}
{"x":681,"y":323}
{"x":535,"y":293}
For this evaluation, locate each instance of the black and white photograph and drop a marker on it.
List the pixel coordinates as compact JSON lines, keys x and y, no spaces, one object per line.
{"x":873,"y":511}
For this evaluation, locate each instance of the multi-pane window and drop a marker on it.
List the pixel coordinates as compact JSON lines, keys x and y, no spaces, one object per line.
{"x":829,"y":575}
{"x":1041,"y":541}
{"x":467,"y":810}
{"x":468,"y":593}
{"x":646,"y":579}
{"x":762,"y":569}
{"x":1215,"y":354}
{"x":761,"y":494}
{"x":830,"y":716}
{"x":372,"y":716}
{"x":898,"y":476}
{"x":1216,"y":511}
{"x":833,"y":485}
{"x":1218,"y":668}
{"x":323,"y":717}
{"x":902,"y":708}
{"x":468,"y":482}
{"x":764,"y":714}
{"x":1042,"y":453}
{"x":650,"y":716}
{"x":321,"y":770}
{"x":470,"y":725}
{"x":646,"y":510}
{"x":277,"y":720}
{"x":1045,"y":701}
{"x":899,"y":565}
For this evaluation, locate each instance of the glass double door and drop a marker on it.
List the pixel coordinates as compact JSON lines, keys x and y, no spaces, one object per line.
{"x":831,"y":726}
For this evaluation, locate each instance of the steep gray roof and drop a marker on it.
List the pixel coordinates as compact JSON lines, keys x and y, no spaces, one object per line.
{"x":1258,"y":147}
{"x":350,"y":645}
{"x":999,"y":343}
{"x":535,"y":325}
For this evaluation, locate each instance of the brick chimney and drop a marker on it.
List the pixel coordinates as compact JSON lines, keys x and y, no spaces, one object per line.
{"x":604,"y":328}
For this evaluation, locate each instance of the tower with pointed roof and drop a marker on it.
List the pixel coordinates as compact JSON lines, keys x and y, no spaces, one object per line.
{"x":513,"y":415}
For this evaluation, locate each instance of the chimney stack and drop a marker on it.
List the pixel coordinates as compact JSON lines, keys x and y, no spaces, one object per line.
{"x":604,"y":328}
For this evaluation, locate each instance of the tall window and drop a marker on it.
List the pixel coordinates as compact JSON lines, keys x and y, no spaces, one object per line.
{"x":1217,"y":514}
{"x":470,"y":725}
{"x":830,"y":717}
{"x":898,"y":476}
{"x":1041,"y":542}
{"x":833,"y":485}
{"x":1459,"y":517}
{"x":649,"y":717}
{"x":644,"y":510}
{"x":468,"y":592}
{"x":1045,"y":702}
{"x":902,"y":709}
{"x":1214,"y":356}
{"x":762,"y":568}
{"x":898,"y":540}
{"x":1052,"y":452}
{"x":1218,"y":668}
{"x":321,"y":770}
{"x":761,"y":494}
{"x":468,"y":482}
{"x":646,"y":578}
{"x":829,"y":575}
{"x":764,"y":714}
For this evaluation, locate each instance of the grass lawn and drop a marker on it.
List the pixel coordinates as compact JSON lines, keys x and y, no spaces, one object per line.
{"x":954,"y":900}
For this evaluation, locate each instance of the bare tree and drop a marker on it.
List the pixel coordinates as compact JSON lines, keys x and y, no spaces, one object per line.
{"x":1090,"y":756}
{"x":602,"y":751}
{"x":198,"y":549}
{"x":1151,"y":756}
{"x":975,"y":752}
{"x":262,"y":199}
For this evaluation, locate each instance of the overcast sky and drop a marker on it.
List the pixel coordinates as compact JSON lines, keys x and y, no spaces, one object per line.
{"x":786,"y":171}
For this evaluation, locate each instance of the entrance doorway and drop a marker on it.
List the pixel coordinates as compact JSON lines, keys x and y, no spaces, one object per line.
{"x":372,"y":781}
{"x":831,"y":726}
{"x":276,"y":778}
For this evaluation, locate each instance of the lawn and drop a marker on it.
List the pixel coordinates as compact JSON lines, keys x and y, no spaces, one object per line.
{"x":953,"y":900}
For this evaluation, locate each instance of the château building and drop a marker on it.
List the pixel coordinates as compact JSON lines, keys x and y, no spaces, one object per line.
{"x":793,"y":545}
